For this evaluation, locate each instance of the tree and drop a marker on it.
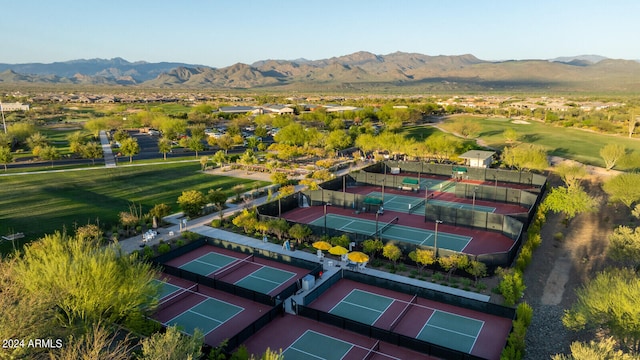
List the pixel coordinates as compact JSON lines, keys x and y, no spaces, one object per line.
{"x":248,"y":158}
{"x":510,"y":135}
{"x":611,"y":302}
{"x":194,"y":143}
{"x":280,"y":178}
{"x":286,"y":191}
{"x":246,"y":220}
{"x":570,"y":201}
{"x":204,"y":160}
{"x":172,"y":345}
{"x":422,"y":258}
{"x":253,"y":142}
{"x":466,"y":128}
{"x":337,"y":139}
{"x":442,"y":146}
{"x":477,"y":269}
{"x":191,"y":203}
{"x":624,"y":188}
{"x":99,"y":283}
{"x":220,"y":157}
{"x":279,"y":227}
{"x":159,"y":211}
{"x":129,"y":147}
{"x":392,"y":252}
{"x":611,"y":153}
{"x":602,"y":349}
{"x":37,"y":140}
{"x":624,"y":246}
{"x":300,"y":232}
{"x":453,"y":262}
{"x":164,"y":146}
{"x":218,"y":198}
{"x":525,"y":156}
{"x":91,"y":150}
{"x":633,"y":121}
{"x":571,"y":174}
{"x":6,"y":156}
{"x":49,"y":153}
{"x":224,"y":142}
{"x":97,"y":343}
{"x":372,"y":246}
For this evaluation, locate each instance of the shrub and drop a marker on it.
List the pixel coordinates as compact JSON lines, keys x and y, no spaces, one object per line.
{"x":216,"y":223}
{"x":558,"y":236}
{"x":147,"y":252}
{"x":164,"y":248}
{"x":511,"y":286}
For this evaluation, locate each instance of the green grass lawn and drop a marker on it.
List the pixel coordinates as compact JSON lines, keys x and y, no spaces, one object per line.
{"x":579,"y":145}
{"x":38,"y":204}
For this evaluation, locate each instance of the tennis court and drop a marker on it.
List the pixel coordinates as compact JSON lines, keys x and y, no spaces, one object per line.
{"x":261,"y":278}
{"x":362,"y":306}
{"x":313,"y":345}
{"x":401,"y":203}
{"x":206,"y":314}
{"x":209,"y":263}
{"x":391,"y":231}
{"x":442,"y":328}
{"x":451,"y":330}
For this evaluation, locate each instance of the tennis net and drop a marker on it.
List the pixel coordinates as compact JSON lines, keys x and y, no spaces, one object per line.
{"x":176,"y":297}
{"x":415,"y":206}
{"x":388,"y":225}
{"x":372,"y":351}
{"x":403,"y":312}
{"x":233,"y":266}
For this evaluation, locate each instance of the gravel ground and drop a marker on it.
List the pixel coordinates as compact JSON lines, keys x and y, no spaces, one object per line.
{"x":558,"y":268}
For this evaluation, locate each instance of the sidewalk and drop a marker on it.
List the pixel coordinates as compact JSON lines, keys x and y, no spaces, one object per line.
{"x":109,"y":160}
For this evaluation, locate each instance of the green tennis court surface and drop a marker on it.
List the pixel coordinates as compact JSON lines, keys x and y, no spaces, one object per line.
{"x":265,"y":279}
{"x":166,"y":289}
{"x":395,"y":232}
{"x":362,"y":306}
{"x":313,"y":346}
{"x":208,"y":263}
{"x":401,"y":203}
{"x":451,"y":330}
{"x":206,"y":316}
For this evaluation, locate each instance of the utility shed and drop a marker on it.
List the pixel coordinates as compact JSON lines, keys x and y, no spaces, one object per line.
{"x":478,"y":158}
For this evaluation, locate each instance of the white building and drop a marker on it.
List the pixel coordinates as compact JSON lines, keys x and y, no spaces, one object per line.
{"x":14,"y":107}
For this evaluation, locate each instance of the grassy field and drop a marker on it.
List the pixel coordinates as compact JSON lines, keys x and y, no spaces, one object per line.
{"x":579,"y":145}
{"x":38,"y":204}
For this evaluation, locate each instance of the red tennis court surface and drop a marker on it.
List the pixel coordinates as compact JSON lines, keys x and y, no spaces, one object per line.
{"x":490,"y":340}
{"x":252,"y":310}
{"x":283,"y":332}
{"x":483,"y":242}
{"x":242,"y":272}
{"x":501,"y":208}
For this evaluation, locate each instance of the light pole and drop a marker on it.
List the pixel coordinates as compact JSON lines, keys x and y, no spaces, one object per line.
{"x":435,"y":240}
{"x":377,"y":214}
{"x":325,"y":217}
{"x":473,"y":204}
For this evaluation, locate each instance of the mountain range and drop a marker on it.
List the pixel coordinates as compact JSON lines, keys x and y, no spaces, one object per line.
{"x":361,"y":71}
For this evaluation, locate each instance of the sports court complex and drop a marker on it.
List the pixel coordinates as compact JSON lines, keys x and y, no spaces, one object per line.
{"x":257,"y":294}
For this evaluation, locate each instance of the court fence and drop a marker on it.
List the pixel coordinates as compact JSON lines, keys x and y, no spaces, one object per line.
{"x":160,"y":261}
{"x":473,"y":173}
{"x":389,"y":335}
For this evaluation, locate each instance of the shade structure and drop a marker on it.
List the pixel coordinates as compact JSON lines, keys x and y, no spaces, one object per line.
{"x":321,"y":245}
{"x":357,"y":256}
{"x":338,"y":250}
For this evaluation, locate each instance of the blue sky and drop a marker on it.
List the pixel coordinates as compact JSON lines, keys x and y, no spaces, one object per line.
{"x":223,"y":32}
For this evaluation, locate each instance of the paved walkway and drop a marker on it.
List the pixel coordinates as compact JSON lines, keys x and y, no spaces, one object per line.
{"x":109,"y":160}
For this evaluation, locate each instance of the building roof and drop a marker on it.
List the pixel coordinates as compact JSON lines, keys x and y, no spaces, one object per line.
{"x":477,"y":154}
